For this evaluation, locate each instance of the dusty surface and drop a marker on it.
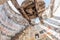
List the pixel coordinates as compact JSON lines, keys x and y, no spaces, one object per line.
{"x":29,"y":34}
{"x":2,"y":1}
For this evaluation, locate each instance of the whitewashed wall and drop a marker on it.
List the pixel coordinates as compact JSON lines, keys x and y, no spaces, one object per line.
{"x":57,"y":3}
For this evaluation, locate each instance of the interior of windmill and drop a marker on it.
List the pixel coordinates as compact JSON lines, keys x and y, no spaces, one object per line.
{"x":50,"y":30}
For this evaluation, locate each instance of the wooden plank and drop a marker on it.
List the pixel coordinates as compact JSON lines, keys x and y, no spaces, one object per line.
{"x":2,"y":1}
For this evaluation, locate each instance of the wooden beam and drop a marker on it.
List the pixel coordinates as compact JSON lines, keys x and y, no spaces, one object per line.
{"x":2,"y":1}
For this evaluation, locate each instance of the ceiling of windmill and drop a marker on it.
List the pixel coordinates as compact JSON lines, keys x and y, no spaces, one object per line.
{"x":46,"y":1}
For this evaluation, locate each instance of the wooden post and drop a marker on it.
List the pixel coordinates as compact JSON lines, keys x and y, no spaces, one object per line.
{"x":40,"y":7}
{"x":51,"y":7}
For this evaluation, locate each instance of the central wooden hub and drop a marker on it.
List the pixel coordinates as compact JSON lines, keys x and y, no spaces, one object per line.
{"x":31,"y":9}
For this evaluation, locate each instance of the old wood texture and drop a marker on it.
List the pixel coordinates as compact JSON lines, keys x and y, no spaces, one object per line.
{"x":30,"y":34}
{"x":52,"y":7}
{"x":2,"y":1}
{"x":34,"y":9}
{"x":40,"y":8}
{"x":31,"y":9}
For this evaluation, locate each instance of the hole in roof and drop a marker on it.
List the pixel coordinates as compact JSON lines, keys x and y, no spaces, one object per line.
{"x":47,"y":2}
{"x":20,"y":1}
